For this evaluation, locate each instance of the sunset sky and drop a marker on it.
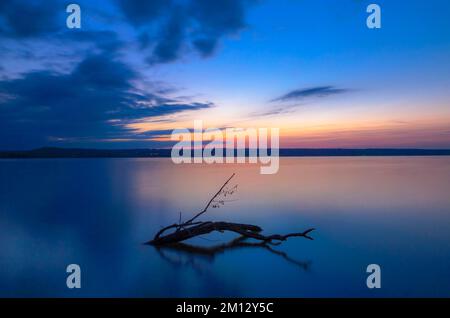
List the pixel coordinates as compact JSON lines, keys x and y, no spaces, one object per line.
{"x":137,"y":70}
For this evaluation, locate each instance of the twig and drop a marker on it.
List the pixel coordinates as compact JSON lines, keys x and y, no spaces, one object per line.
{"x":210,"y":201}
{"x":179,"y":225}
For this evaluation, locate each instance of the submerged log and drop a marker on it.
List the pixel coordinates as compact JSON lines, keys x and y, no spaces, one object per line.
{"x":246,"y":230}
{"x":205,"y":228}
{"x":189,"y":229}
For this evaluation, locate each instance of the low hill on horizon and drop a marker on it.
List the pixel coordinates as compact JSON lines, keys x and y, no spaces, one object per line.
{"x":55,"y":152}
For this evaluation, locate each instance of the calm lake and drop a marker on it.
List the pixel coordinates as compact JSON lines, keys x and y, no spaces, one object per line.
{"x":390,"y":211}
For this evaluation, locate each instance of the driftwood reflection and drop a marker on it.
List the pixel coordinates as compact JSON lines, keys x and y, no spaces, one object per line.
{"x":209,"y":252}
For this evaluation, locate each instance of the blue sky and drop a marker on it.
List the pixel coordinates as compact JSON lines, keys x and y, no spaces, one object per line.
{"x":136,"y":70}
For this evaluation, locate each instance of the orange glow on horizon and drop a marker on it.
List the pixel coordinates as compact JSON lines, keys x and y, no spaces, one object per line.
{"x":298,"y":131}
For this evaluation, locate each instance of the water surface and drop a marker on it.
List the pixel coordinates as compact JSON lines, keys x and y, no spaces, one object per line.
{"x":391,"y":211}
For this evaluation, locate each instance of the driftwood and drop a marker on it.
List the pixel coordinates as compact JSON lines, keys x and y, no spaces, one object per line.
{"x":182,"y":231}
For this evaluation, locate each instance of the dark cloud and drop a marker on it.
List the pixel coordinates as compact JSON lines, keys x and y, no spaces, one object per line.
{"x":199,"y":24}
{"x":97,"y":97}
{"x":166,"y":27}
{"x":96,"y":100}
{"x":35,"y":32}
{"x":312,"y":92}
{"x":107,"y":41}
{"x":205,"y":46}
{"x":141,"y":13}
{"x":29,"y":18}
{"x":170,"y":41}
{"x":216,"y":19}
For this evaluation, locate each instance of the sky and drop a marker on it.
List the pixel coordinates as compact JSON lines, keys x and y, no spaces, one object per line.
{"x":137,"y":70}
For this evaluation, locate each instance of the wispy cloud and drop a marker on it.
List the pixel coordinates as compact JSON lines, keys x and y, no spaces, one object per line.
{"x":273,"y":111}
{"x":289,"y":102}
{"x":311,"y":92}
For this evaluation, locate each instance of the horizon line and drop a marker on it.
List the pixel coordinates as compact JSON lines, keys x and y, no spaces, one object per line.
{"x":62,"y":152}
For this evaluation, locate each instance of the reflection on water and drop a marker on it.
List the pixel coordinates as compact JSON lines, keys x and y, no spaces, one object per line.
{"x":209,"y":252}
{"x":394,"y":212}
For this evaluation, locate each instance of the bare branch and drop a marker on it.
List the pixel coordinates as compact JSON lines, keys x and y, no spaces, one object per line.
{"x":190,"y":229}
{"x":179,"y":225}
{"x":210,"y":201}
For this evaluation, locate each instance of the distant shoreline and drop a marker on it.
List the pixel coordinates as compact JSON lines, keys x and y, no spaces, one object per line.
{"x":165,"y":153}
